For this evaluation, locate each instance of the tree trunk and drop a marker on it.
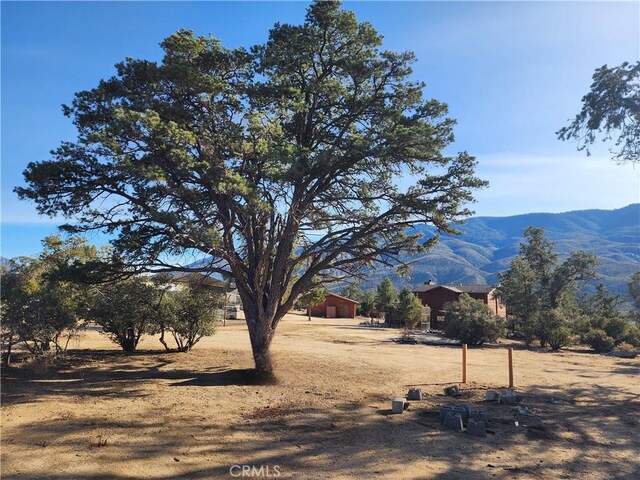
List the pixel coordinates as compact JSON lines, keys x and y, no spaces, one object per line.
{"x":162,"y":340}
{"x":6,"y":356}
{"x":260,"y":342}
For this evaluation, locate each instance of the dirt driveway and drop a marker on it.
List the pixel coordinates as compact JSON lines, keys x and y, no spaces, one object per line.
{"x":105,"y":414}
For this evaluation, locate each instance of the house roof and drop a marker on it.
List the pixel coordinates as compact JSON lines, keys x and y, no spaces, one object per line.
{"x":458,"y":288}
{"x":204,"y":279}
{"x":341,"y":297}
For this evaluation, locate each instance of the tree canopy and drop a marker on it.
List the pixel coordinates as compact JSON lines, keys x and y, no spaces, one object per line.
{"x":611,"y":108}
{"x":540,"y":293}
{"x":280,"y":163}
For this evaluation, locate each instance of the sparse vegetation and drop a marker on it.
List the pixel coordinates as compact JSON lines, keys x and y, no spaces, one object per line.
{"x":42,"y":305}
{"x":188,"y":314}
{"x":470,"y":321}
{"x":126,"y":310}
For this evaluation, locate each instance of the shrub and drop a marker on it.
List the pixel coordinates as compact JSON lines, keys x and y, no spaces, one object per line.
{"x":409,"y":310}
{"x":192,"y":314}
{"x":616,"y":328}
{"x":632,"y":336}
{"x":125,"y":309}
{"x":470,"y":321}
{"x":600,"y":341}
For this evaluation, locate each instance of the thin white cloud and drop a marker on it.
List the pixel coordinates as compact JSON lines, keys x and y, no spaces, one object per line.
{"x":529,"y":183}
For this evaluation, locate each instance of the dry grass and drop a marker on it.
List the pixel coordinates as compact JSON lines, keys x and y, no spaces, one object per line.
{"x":167,"y":416}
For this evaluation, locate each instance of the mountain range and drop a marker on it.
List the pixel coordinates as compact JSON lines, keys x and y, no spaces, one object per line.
{"x":488,"y":244}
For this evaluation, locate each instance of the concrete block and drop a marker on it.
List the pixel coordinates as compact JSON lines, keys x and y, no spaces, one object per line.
{"x":453,"y":421}
{"x":510,"y":398}
{"x":476,"y":429}
{"x":397,"y":405}
{"x":479,"y":416}
{"x":461,"y":410}
{"x":452,"y":391}
{"x":414,"y":394}
{"x":492,"y":396}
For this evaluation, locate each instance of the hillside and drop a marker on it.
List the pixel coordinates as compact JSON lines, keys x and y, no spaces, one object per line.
{"x":488,"y":244}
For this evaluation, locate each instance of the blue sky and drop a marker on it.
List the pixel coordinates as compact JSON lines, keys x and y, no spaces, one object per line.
{"x":512,"y":73}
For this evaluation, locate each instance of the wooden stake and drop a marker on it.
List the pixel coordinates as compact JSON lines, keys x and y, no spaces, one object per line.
{"x":510,"y":367}
{"x":464,"y":363}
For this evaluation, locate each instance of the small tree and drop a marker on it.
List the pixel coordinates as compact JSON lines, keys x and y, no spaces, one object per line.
{"x":368,"y":303}
{"x":386,"y":297}
{"x":409,"y":310}
{"x":352,"y":291}
{"x":470,"y":321}
{"x":125,"y":310}
{"x":41,"y":301}
{"x":536,"y":284}
{"x":311,"y":298}
{"x":193,"y":314}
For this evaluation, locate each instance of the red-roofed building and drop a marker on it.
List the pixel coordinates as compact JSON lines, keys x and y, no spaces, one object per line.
{"x":435,"y":296}
{"x":335,"y":306}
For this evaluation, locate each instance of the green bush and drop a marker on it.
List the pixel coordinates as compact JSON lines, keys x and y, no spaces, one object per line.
{"x":408,"y":311}
{"x":632,"y":336}
{"x":617,"y":328}
{"x":470,"y":321}
{"x":600,"y":341}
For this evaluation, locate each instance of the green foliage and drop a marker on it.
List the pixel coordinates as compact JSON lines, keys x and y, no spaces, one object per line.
{"x":632,"y":335}
{"x":600,"y":341}
{"x":367,"y":303}
{"x":386,"y":296}
{"x":606,"y":327}
{"x":470,"y":321}
{"x":555,"y":326}
{"x":315,"y":295}
{"x":409,"y":310}
{"x":634,"y":290}
{"x":126,"y":309}
{"x":41,"y":302}
{"x":191,"y":313}
{"x":540,"y":293}
{"x":273,"y":162}
{"x":612,"y":108}
{"x":352,"y":291}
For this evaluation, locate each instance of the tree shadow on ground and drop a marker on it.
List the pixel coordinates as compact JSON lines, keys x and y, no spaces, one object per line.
{"x":592,"y":426}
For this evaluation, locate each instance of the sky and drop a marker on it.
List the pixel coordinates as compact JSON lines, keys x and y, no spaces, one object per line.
{"x":512,"y":73}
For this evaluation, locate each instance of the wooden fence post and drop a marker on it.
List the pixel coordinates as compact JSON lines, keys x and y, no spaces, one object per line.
{"x":464,"y":363}
{"x":510,"y":367}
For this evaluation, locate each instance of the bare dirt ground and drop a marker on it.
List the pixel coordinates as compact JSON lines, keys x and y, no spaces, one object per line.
{"x":106,"y":414}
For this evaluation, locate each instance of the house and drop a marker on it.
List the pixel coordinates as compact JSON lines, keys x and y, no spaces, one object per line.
{"x":213,"y":283}
{"x":335,"y":306}
{"x":435,"y":296}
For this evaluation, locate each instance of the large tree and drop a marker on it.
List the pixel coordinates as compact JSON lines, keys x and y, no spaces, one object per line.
{"x":539,"y":291}
{"x":281,"y":163}
{"x":611,"y":108}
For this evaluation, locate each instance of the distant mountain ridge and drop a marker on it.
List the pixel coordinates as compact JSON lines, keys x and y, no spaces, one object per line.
{"x":488,"y":244}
